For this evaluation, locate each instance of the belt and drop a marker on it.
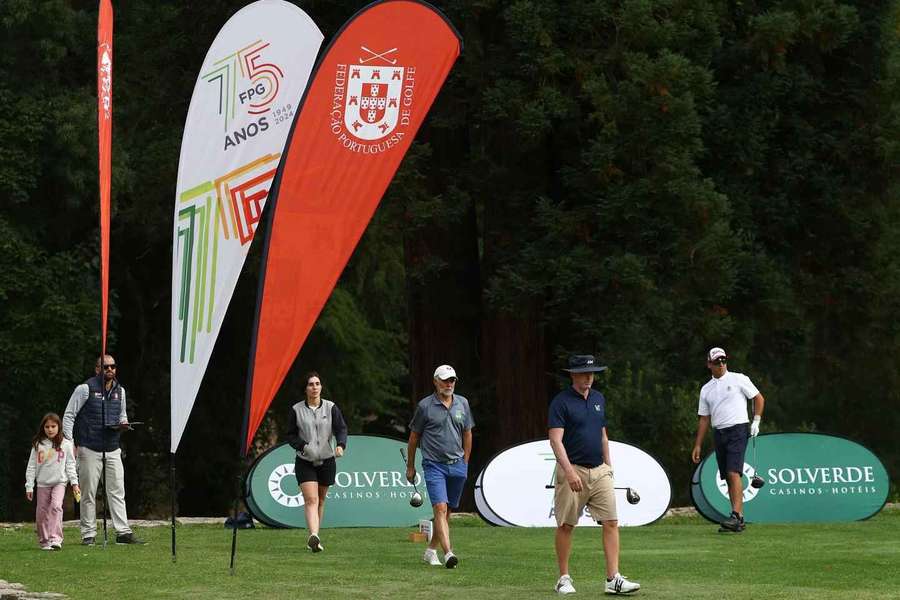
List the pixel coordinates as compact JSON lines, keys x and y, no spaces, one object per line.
{"x":452,"y":461}
{"x":586,"y":466}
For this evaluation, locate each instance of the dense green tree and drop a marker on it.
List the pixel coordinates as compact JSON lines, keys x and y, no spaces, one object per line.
{"x":640,"y":179}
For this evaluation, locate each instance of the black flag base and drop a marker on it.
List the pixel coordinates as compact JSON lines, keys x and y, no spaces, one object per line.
{"x":243,"y":521}
{"x":172,"y":490}
{"x":237,"y":517}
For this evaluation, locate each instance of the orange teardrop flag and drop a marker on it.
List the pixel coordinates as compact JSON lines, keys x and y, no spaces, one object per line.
{"x":104,"y":131}
{"x":368,"y":97}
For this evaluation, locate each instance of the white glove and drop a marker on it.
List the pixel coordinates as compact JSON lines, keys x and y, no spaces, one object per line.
{"x":754,"y":426}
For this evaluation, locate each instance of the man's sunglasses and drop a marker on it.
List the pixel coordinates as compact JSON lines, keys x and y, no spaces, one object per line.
{"x":109,"y":367}
{"x":449,"y":380}
{"x":720,"y":361}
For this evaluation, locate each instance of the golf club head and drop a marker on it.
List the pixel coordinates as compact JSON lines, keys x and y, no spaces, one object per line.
{"x":416,"y":500}
{"x":757,"y":482}
{"x":632,"y":496}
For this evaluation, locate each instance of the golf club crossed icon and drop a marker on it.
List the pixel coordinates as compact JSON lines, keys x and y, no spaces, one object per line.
{"x":378,"y":55}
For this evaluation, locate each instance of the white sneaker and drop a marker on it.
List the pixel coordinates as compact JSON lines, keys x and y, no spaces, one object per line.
{"x":450,"y":560}
{"x":620,"y":585}
{"x":564,"y":585}
{"x":431,"y":557}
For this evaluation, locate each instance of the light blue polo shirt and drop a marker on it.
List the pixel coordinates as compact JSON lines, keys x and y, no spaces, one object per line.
{"x":441,"y":429}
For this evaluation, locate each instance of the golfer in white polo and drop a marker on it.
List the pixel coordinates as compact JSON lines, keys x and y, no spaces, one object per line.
{"x":723,"y":402}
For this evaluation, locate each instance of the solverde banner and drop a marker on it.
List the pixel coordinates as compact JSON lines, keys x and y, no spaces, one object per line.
{"x":370,"y":488}
{"x":808,"y":477}
{"x":700,"y":502}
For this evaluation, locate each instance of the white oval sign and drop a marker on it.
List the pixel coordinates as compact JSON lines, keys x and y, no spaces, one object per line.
{"x":517,"y":486}
{"x":483,"y":509}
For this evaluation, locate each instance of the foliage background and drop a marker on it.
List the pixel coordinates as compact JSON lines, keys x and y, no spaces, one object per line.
{"x":639,"y":179}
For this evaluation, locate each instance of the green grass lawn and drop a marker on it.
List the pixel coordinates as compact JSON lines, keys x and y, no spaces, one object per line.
{"x":680,"y":558}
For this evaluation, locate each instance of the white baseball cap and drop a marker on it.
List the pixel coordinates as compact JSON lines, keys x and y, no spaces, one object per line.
{"x":444,"y":372}
{"x":715,"y":353}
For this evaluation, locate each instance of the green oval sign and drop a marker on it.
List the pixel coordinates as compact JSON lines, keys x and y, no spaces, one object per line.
{"x":808,"y":477}
{"x":370,"y":488}
{"x":699,"y":500}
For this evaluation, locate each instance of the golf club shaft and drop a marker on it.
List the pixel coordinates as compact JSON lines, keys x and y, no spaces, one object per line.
{"x":551,"y":486}
{"x":406,"y":463}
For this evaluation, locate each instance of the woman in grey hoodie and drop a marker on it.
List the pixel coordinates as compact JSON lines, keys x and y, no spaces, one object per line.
{"x":312,"y":425}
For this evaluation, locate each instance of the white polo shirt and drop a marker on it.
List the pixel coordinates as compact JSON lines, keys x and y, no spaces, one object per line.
{"x":724,"y":399}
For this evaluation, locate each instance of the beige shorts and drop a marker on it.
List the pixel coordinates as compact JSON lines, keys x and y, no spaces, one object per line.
{"x":596,"y":493}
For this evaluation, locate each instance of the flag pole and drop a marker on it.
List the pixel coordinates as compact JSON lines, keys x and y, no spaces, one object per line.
{"x":172,"y":490}
{"x":266,"y":224}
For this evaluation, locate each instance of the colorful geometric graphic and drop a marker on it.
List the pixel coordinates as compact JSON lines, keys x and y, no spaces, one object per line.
{"x":264,"y":80}
{"x":222,"y":211}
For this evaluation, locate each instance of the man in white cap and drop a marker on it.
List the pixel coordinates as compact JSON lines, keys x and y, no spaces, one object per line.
{"x":442,"y":426}
{"x":723,"y":403}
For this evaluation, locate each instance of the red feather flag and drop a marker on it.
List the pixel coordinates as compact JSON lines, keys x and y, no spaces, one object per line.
{"x":368,"y":97}
{"x":104,"y":130}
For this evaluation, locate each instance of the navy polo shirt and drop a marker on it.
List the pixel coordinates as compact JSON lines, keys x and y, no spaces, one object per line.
{"x":583,"y":421}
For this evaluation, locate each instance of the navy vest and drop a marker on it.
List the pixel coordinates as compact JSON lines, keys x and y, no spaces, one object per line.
{"x":89,"y":430}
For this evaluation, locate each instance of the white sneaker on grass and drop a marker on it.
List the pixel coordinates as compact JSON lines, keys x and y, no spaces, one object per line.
{"x":431,"y":557}
{"x":450,"y":560}
{"x":564,"y":585}
{"x":620,"y":585}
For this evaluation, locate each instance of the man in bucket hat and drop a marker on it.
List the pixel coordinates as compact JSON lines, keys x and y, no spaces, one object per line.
{"x":584,"y":475}
{"x":723,"y":403}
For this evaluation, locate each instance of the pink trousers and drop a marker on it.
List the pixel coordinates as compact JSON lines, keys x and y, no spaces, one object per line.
{"x":48,"y":520}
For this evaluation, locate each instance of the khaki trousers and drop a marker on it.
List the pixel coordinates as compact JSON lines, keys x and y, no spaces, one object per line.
{"x":90,"y":466}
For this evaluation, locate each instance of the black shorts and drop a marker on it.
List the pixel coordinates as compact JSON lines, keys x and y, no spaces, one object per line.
{"x":324,"y":473}
{"x":731,"y":443}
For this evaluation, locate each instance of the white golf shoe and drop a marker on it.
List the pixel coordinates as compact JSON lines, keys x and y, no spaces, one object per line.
{"x":564,"y":585}
{"x":620,"y":585}
{"x":431,"y":557}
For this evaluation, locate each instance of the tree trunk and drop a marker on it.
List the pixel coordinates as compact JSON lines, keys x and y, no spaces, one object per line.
{"x":516,"y":357}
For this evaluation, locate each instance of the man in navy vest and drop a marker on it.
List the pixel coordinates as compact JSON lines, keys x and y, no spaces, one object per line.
{"x":94,"y":419}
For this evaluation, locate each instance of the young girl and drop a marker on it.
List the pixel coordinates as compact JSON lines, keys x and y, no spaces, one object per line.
{"x":52,"y":463}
